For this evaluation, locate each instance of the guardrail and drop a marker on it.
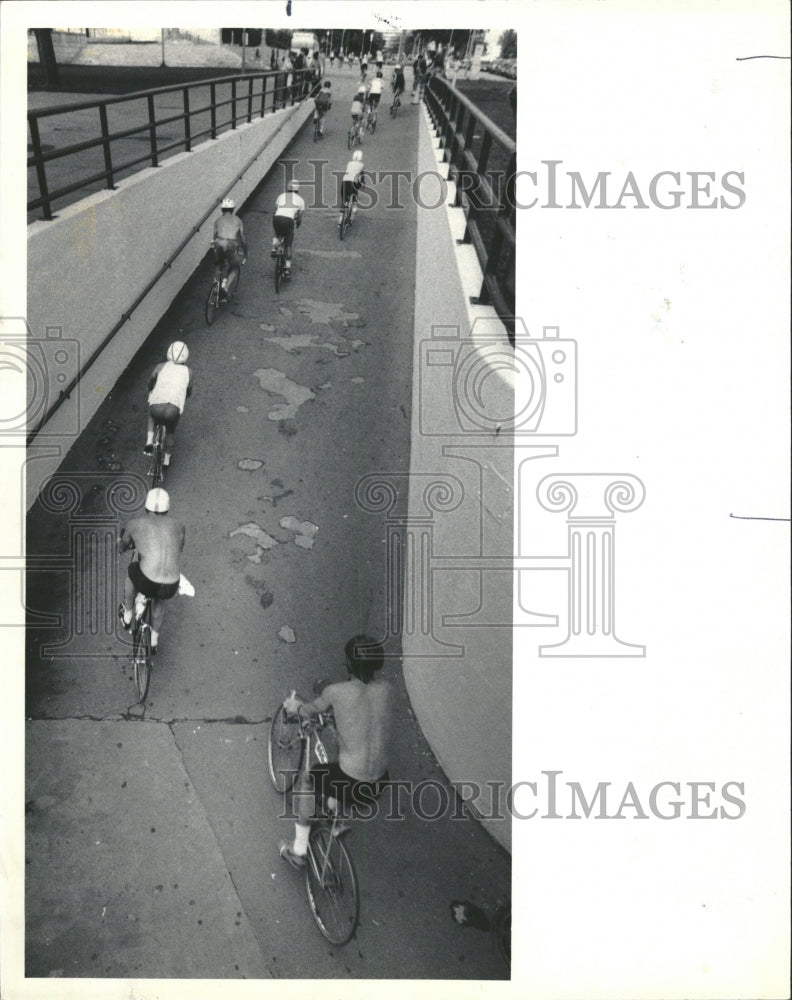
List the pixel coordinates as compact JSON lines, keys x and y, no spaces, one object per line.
{"x":482,"y":163}
{"x":252,"y":95}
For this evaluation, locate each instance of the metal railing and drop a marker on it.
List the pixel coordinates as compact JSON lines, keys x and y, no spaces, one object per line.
{"x":246,"y":96}
{"x":482,"y":163}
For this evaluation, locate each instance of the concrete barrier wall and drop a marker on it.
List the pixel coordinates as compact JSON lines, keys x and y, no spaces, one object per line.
{"x":463,"y":702}
{"x":67,"y":46}
{"x":114,"y":243}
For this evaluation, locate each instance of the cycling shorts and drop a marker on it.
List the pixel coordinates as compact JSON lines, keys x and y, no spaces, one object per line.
{"x":226,"y":251}
{"x":284,"y":226}
{"x":374,"y":99}
{"x":149,"y":588}
{"x":166,"y":414}
{"x":348,"y":188}
{"x":329,"y":779}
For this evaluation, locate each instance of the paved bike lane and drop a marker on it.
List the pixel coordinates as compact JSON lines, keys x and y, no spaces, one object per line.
{"x":298,"y":396}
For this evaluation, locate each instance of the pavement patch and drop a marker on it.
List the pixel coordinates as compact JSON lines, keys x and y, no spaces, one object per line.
{"x":249,"y":464}
{"x":304,"y":531}
{"x":286,"y":634}
{"x":257,"y":533}
{"x":293,"y":344}
{"x":328,"y":312}
{"x":276,"y":383}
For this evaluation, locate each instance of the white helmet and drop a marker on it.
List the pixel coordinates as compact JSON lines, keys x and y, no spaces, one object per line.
{"x":178,"y":353}
{"x":357,"y":155}
{"x":227,"y":204}
{"x":157,"y":501}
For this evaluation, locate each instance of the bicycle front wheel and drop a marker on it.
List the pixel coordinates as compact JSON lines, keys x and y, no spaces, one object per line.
{"x":278,"y":271}
{"x":212,"y":303}
{"x":284,"y":751}
{"x":141,"y":659}
{"x":332,"y":887}
{"x":351,"y":138}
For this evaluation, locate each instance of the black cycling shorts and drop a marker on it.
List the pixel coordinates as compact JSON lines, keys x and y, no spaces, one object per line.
{"x":329,"y":779}
{"x":284,"y":226}
{"x":149,"y":588}
{"x":166,"y":414}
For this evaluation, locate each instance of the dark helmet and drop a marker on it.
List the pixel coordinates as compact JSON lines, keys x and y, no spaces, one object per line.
{"x":364,"y":657}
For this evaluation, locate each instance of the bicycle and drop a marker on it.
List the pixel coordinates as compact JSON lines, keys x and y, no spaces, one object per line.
{"x":140,"y":627}
{"x":394,"y":108}
{"x":141,"y":645}
{"x":282,"y":273}
{"x":347,"y":216}
{"x":317,"y":129}
{"x":214,"y":300}
{"x":371,"y":119}
{"x":330,"y":878}
{"x":156,"y":469}
{"x":355,"y":134}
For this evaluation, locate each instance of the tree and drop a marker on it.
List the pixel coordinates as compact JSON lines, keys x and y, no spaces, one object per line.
{"x":280,"y":39}
{"x":47,"y":60}
{"x":508,"y":44}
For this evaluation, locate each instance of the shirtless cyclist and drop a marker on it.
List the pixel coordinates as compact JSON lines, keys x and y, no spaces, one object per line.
{"x":363,"y":710}
{"x":159,"y":541}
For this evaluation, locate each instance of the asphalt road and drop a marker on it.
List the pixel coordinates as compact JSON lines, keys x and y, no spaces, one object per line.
{"x":152,"y":831}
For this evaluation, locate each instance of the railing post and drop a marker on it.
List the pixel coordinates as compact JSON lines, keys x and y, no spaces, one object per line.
{"x":263,"y":95}
{"x":152,"y":131}
{"x":41,"y":173}
{"x":213,"y":105}
{"x":250,"y":100}
{"x":187,"y":134}
{"x":106,"y":146}
{"x":233,"y":103}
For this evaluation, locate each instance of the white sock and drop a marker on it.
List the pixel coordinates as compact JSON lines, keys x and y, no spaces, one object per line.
{"x":127,"y":615}
{"x":150,"y":438}
{"x":154,"y":638}
{"x":166,"y":459}
{"x":301,"y":838}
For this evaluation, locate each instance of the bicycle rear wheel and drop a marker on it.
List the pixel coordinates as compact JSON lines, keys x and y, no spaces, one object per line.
{"x":156,"y":468}
{"x":278,"y":270}
{"x":284,"y":750}
{"x":232,"y":285}
{"x":331,"y":884}
{"x":351,"y":138}
{"x":212,"y":302}
{"x":141,"y":656}
{"x":344,"y":221}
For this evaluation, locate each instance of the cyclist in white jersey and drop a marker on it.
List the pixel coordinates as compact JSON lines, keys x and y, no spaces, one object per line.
{"x":169,"y":386}
{"x":289,"y":210}
{"x":354,"y":176}
{"x":375,"y":90}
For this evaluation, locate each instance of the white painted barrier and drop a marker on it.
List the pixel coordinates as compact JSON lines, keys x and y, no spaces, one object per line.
{"x":463,"y":702}
{"x":111,"y":245}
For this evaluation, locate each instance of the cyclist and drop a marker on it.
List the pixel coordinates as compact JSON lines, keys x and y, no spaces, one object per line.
{"x":289,"y":210}
{"x":397,"y":83}
{"x":323,"y":102}
{"x":354,"y":176}
{"x":363,"y":710}
{"x":229,"y":243}
{"x":169,"y":386}
{"x":159,"y":541}
{"x":357,"y":105}
{"x":363,"y":68}
{"x":375,"y":92}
